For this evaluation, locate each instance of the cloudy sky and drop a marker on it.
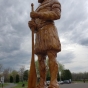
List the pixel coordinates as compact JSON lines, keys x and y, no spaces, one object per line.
{"x":15,"y":36}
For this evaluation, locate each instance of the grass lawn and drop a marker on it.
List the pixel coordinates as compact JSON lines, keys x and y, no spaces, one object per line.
{"x":19,"y":85}
{"x":5,"y":84}
{"x":80,"y":81}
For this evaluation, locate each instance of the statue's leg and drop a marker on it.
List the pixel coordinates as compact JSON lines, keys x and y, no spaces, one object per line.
{"x":42,"y":70}
{"x":53,"y":67}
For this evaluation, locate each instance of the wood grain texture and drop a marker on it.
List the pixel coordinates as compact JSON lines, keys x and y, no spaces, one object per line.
{"x":47,"y":41}
{"x":32,"y":74}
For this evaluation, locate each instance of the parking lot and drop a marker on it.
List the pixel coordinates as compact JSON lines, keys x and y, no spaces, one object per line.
{"x":74,"y":85}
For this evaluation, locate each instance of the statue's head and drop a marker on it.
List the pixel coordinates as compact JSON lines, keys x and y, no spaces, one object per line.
{"x":40,"y":1}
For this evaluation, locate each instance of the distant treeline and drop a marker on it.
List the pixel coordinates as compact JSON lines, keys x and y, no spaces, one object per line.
{"x":80,"y":76}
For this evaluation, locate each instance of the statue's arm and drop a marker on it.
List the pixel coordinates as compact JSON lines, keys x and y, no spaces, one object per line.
{"x":54,"y":14}
{"x":32,"y":25}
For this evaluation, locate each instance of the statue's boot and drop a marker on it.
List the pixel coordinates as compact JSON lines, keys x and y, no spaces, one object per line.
{"x":53,"y":66}
{"x":42,"y":70}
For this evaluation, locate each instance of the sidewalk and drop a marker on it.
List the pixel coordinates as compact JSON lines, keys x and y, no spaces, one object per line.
{"x":10,"y":85}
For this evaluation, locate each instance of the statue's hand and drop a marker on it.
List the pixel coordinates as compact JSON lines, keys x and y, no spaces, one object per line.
{"x":31,"y":24}
{"x":34,"y":15}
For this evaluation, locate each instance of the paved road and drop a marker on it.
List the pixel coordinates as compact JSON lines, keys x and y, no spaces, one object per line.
{"x":11,"y":85}
{"x":74,"y":85}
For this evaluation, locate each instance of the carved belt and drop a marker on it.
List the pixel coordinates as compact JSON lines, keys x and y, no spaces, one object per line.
{"x":39,"y":26}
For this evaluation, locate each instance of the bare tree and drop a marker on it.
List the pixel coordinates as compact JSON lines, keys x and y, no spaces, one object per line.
{"x":1,"y":68}
{"x":21,"y":72}
{"x":6,"y":74}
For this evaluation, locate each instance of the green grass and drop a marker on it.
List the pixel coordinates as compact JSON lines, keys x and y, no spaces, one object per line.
{"x":19,"y":85}
{"x":79,"y":81}
{"x":5,"y":84}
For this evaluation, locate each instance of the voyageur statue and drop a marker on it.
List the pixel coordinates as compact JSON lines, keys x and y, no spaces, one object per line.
{"x":47,"y":42}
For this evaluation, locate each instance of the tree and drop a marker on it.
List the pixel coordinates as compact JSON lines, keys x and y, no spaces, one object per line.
{"x":1,"y":67}
{"x":61,"y":67}
{"x":37,"y":67}
{"x":11,"y":79}
{"x":25,"y":75}
{"x":79,"y":76}
{"x":58,"y":76}
{"x":17,"y":78}
{"x":14,"y":73}
{"x":48,"y":75}
{"x":6,"y":74}
{"x":66,"y":74}
{"x":21,"y":72}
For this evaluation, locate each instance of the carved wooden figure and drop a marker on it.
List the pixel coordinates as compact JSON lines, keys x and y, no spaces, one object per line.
{"x":47,"y":42}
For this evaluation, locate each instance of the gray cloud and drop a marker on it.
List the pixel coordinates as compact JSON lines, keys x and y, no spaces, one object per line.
{"x":65,"y":57}
{"x":73,"y":22}
{"x":14,"y":18}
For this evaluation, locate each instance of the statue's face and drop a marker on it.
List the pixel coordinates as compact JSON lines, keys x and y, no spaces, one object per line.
{"x":40,"y":1}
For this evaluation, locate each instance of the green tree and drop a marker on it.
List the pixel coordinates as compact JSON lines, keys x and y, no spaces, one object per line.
{"x":17,"y":78}
{"x":14,"y":73}
{"x":37,"y":67}
{"x":66,"y":74}
{"x":58,"y":77}
{"x":61,"y":67}
{"x":48,"y":75}
{"x":11,"y":79}
{"x":25,"y":75}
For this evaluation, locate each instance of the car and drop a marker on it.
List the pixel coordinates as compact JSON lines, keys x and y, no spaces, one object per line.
{"x":66,"y":81}
{"x":60,"y":82}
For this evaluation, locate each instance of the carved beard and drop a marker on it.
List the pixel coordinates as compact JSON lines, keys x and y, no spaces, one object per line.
{"x":40,"y":1}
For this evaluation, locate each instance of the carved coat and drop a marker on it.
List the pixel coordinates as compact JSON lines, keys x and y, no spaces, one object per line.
{"x":46,"y":32}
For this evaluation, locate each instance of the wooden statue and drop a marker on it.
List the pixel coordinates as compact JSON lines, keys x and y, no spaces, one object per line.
{"x":47,"y":42}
